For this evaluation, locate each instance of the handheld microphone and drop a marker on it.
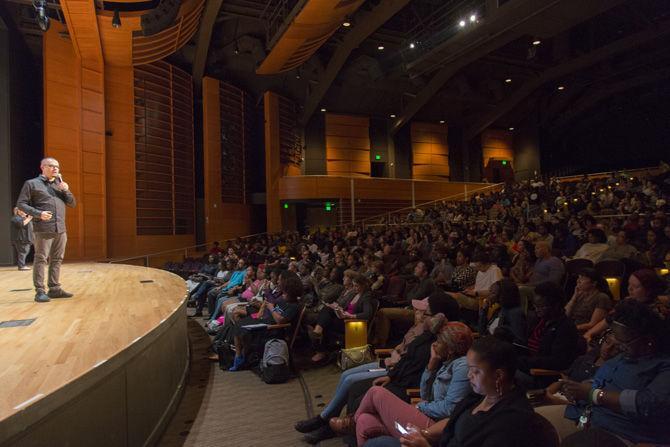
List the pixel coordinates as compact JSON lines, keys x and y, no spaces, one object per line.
{"x":59,"y":177}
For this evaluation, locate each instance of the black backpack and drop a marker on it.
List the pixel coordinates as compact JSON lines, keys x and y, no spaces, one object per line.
{"x":274,"y":366}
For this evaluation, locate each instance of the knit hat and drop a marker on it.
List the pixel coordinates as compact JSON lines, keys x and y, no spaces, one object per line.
{"x":457,"y":336}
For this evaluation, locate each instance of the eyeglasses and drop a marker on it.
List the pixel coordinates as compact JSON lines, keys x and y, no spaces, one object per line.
{"x":53,"y":166}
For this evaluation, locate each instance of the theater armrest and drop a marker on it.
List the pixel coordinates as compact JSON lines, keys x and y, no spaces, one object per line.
{"x":413,"y":392}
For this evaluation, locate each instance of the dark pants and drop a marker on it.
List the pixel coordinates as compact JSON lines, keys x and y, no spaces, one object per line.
{"x":49,"y":247}
{"x":201,"y":294}
{"x":331,"y":325}
{"x":21,"y":250}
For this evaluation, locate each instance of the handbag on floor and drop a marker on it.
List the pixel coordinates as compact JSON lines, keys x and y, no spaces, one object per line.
{"x":352,"y":357}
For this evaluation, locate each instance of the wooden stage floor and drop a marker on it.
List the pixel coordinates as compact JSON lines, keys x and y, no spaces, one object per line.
{"x":113,"y":307}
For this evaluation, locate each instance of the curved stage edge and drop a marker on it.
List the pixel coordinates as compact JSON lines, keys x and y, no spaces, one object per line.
{"x":93,"y":382}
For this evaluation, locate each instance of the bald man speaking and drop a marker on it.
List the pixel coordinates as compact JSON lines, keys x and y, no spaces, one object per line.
{"x":45,"y":198}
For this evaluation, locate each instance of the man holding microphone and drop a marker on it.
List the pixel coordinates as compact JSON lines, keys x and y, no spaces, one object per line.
{"x":45,"y":198}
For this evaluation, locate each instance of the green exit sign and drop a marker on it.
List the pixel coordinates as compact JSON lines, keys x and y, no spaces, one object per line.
{"x":504,"y":162}
{"x":378,"y":157}
{"x":329,"y":206}
{"x":286,"y":206}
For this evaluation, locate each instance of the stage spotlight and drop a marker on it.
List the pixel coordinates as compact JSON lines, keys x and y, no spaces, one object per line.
{"x":461,"y":23}
{"x":473,"y":18}
{"x":42,"y":17}
{"x":116,"y":20}
{"x":536,"y":42}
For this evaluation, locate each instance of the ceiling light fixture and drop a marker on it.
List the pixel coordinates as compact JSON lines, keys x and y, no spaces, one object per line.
{"x":346,"y":24}
{"x":323,"y":109}
{"x":392,"y":115}
{"x":116,"y":20}
{"x":511,"y":128}
{"x":508,"y":81}
{"x":441,"y":121}
{"x":412,"y":46}
{"x":380,"y":47}
{"x":461,"y":23}
{"x":536,"y":42}
{"x":561,"y":87}
{"x":473,"y":18}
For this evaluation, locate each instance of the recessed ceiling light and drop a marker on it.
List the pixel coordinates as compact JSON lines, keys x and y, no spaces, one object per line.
{"x":508,"y":81}
{"x":536,"y":42}
{"x":561,"y":87}
{"x":461,"y":23}
{"x":473,"y":18}
{"x":346,"y":24}
{"x":412,"y":46}
{"x":511,"y":128}
{"x":392,"y":115}
{"x":323,"y":109}
{"x":441,"y":121}
{"x":380,"y":47}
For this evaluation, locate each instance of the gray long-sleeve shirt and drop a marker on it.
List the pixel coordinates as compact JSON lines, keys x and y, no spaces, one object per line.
{"x":39,"y":195}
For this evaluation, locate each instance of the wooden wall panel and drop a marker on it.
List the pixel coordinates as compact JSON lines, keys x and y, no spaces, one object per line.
{"x":223,"y":220}
{"x":430,"y":151}
{"x":332,"y":187}
{"x":273,"y":167}
{"x":347,"y":145}
{"x":497,"y":144}
{"x":74,"y":125}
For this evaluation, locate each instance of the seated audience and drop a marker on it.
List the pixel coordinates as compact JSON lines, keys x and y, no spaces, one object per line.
{"x":284,"y":312}
{"x":591,"y":301}
{"x":502,"y":309}
{"x":332,"y":316}
{"x":644,"y":286}
{"x":553,"y":337}
{"x":630,"y":394}
{"x":620,"y":249}
{"x":497,"y":413}
{"x":444,"y":383}
{"x":595,"y":247}
{"x":523,"y":262}
{"x":409,"y":357}
{"x":387,"y":316}
{"x":487,"y":274}
{"x":547,"y":268}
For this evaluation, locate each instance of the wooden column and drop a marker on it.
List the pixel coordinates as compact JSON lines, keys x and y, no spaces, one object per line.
{"x":273,"y":169}
{"x":74,"y":126}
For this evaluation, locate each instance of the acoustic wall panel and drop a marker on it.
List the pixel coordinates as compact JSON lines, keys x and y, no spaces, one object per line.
{"x":164,"y":165}
{"x":347,"y":145}
{"x":497,"y":144}
{"x":430,"y":151}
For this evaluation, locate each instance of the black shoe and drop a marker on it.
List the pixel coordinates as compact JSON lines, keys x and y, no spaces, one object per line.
{"x":41,"y":297}
{"x":320,"y":434}
{"x":310,"y":424}
{"x":59,"y":293}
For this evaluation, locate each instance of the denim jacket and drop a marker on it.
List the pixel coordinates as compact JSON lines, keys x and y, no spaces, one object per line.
{"x":441,"y":390}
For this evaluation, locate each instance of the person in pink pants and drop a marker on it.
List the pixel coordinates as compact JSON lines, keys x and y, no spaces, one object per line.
{"x":444,"y":383}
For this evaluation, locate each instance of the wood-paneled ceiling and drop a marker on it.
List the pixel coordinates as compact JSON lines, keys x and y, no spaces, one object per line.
{"x":455,"y":74}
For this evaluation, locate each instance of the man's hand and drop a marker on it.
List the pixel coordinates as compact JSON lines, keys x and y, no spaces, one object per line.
{"x":62,"y":186}
{"x":46,"y":215}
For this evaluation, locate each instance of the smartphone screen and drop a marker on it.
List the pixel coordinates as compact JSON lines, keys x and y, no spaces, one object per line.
{"x":400,"y":429}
